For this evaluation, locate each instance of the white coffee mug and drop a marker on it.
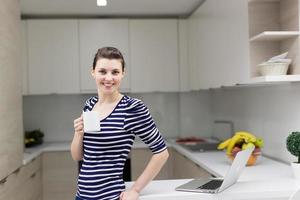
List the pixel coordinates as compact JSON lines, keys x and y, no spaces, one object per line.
{"x":91,"y":121}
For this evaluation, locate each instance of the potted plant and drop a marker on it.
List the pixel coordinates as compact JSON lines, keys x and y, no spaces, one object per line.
{"x":293,"y":146}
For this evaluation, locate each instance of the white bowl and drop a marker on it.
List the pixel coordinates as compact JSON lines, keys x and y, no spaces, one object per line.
{"x":271,"y":69}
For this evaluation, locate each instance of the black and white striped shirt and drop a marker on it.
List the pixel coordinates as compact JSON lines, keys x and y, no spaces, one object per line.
{"x":105,"y":151}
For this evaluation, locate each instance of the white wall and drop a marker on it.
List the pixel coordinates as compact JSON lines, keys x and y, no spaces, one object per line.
{"x":271,"y":112}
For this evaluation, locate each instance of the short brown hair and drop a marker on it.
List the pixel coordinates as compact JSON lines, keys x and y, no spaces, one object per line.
{"x":109,"y":53}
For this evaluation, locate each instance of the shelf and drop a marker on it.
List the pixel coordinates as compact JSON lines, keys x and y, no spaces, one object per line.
{"x":274,"y":35}
{"x":272,"y":79}
{"x":264,"y":1}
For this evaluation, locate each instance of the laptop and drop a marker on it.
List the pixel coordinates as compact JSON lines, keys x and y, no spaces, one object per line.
{"x":216,"y":185}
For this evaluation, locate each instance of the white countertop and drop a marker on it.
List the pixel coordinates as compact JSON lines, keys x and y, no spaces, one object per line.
{"x":268,"y":179}
{"x":217,"y":164}
{"x":33,"y":152}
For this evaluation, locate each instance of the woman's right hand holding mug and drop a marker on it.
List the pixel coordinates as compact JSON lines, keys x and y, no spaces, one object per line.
{"x":78,"y":126}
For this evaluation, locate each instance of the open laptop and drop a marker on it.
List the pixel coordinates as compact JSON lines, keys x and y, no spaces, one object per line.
{"x":216,"y":185}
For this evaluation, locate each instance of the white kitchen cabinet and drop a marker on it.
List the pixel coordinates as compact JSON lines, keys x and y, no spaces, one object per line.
{"x":218,"y":44}
{"x":53,"y":56}
{"x":59,"y":174}
{"x":24,"y":57}
{"x":139,"y":160}
{"x":97,"y":33}
{"x":154,"y":55}
{"x":185,"y":168}
{"x":184,"y":70}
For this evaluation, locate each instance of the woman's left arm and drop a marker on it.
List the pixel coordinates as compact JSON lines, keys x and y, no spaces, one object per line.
{"x":155,"y":164}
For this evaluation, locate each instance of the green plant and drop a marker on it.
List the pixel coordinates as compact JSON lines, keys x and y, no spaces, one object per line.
{"x":293,"y":144}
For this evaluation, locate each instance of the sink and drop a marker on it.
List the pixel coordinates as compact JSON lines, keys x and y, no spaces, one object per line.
{"x":201,"y":146}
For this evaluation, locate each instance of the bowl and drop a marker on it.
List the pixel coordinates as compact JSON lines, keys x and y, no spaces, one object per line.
{"x":254,"y":157}
{"x":271,"y":69}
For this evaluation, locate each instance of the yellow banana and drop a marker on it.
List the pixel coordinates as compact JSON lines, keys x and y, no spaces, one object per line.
{"x":235,"y":139}
{"x":224,"y":144}
{"x":249,"y":137}
{"x":259,"y":142}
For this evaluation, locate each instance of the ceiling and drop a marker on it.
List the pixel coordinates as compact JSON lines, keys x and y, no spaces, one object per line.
{"x":114,"y":8}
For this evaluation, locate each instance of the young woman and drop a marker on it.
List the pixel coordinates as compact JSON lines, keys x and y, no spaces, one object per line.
{"x":122,"y":119}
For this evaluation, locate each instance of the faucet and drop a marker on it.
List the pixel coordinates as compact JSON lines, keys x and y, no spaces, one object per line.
{"x":226,"y":122}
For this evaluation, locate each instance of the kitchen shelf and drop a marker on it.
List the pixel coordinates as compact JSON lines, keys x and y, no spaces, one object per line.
{"x":250,"y":1}
{"x":262,"y":80}
{"x":274,"y":35}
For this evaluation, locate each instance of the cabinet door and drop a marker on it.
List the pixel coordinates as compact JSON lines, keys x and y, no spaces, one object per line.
{"x":185,"y":168}
{"x":26,"y":181}
{"x":59,"y":176}
{"x":184,"y":69}
{"x":24,"y":57}
{"x":218,"y":44}
{"x":11,"y":122}
{"x":140,"y":159}
{"x":154,"y":55}
{"x":97,"y":33}
{"x":53,"y":63}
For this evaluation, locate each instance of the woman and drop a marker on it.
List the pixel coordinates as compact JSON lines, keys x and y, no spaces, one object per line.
{"x":122,"y":118}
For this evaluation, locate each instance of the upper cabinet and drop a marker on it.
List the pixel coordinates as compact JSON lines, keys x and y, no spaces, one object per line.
{"x":53,"y":55}
{"x":218,"y":48}
{"x":58,"y":54}
{"x":184,"y":75}
{"x":154,"y":55}
{"x":274,"y":29}
{"x":97,"y":33}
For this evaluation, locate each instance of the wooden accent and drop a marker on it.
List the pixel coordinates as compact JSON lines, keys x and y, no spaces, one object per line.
{"x":59,"y":176}
{"x":177,"y":166}
{"x":185,"y":168}
{"x":11,"y":123}
{"x":274,"y":29}
{"x":24,"y":183}
{"x":140,"y":159}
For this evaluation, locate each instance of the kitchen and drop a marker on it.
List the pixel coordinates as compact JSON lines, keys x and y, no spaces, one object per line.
{"x":205,"y":78}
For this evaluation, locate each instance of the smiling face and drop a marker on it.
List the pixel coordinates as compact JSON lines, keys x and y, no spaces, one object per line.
{"x":108,"y":74}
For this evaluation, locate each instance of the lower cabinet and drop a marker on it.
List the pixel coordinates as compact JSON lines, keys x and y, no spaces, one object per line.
{"x":185,"y":168}
{"x":139,"y":160}
{"x":23,"y":184}
{"x":177,"y":166}
{"x":59,"y":176}
{"x":53,"y":175}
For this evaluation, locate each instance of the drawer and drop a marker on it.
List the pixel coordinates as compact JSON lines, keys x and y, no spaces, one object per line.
{"x":31,"y":189}
{"x":18,"y":178}
{"x":27,"y":170}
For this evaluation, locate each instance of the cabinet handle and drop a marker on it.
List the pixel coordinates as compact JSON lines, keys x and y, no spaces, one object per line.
{"x":16,"y":171}
{"x":3,"y":181}
{"x":33,"y":175}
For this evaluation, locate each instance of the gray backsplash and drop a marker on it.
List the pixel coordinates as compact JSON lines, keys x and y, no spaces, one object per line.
{"x":176,"y":114}
{"x":271,"y":112}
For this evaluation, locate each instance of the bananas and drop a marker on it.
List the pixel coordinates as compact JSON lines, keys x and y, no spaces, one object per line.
{"x":247,"y":136}
{"x":242,"y":139}
{"x":224,"y":144}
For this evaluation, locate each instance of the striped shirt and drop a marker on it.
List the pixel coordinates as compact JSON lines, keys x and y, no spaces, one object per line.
{"x":105,"y":151}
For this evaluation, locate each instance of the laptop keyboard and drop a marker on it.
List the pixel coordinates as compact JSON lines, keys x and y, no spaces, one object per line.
{"x":211,"y":185}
